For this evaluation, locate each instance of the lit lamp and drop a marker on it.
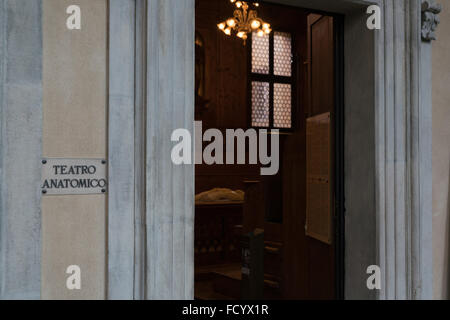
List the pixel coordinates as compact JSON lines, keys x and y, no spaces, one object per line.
{"x":244,"y":21}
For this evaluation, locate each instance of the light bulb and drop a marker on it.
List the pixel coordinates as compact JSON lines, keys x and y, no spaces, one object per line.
{"x":260,"y":33}
{"x":231,"y":22}
{"x":255,"y":24}
{"x":267,"y":31}
{"x":256,"y":4}
{"x":227,"y":31}
{"x":240,"y":34}
{"x":232,"y":1}
{"x":238,"y":4}
{"x":266,"y":26}
{"x":221,"y":26}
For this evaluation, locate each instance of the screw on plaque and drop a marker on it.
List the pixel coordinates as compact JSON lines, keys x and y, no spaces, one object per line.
{"x":103,"y":161}
{"x":104,"y":190}
{"x":44,"y":191}
{"x":44,"y":161}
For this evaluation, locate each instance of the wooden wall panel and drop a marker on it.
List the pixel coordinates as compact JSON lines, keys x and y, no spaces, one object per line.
{"x":225,"y":90}
{"x":322,"y":69}
{"x":226,"y":68}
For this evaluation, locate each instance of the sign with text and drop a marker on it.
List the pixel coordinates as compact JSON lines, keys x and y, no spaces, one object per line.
{"x":73,"y":176}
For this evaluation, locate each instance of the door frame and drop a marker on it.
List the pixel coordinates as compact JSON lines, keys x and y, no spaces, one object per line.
{"x":339,"y":157}
{"x":387,"y":152}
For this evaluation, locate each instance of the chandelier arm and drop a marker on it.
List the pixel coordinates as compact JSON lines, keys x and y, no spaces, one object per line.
{"x":252,"y":15}
{"x":238,"y":17}
{"x":244,"y":21}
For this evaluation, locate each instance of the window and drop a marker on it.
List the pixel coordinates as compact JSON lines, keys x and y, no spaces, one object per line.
{"x":271,"y":80}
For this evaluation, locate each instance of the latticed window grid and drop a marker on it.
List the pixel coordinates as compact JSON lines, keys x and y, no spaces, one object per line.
{"x":271,"y":65}
{"x":282,"y":101}
{"x":282,"y":46}
{"x":260,"y":104}
{"x":260,"y":54}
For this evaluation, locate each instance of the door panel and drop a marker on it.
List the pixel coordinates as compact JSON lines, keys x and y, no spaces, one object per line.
{"x":321,"y":256}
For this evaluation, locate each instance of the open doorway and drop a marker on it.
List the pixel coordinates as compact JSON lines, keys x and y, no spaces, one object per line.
{"x":290,"y":224}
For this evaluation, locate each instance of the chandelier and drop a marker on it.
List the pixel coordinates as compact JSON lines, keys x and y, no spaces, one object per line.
{"x":244,"y":21}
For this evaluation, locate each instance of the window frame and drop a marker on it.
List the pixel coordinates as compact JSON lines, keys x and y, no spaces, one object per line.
{"x":272,"y":79}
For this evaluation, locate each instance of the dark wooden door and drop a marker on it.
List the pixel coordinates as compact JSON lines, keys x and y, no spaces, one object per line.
{"x":299,"y":266}
{"x":320,"y":193}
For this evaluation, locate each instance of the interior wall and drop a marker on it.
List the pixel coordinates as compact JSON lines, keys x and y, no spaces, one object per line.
{"x":225,"y":69}
{"x":74,"y":126}
{"x":441,"y":156}
{"x":225,"y":90}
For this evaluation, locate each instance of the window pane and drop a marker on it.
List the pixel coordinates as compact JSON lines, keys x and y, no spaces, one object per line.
{"x":282,"y":64}
{"x":260,"y":104}
{"x":282,"y":105}
{"x":260,"y":53}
